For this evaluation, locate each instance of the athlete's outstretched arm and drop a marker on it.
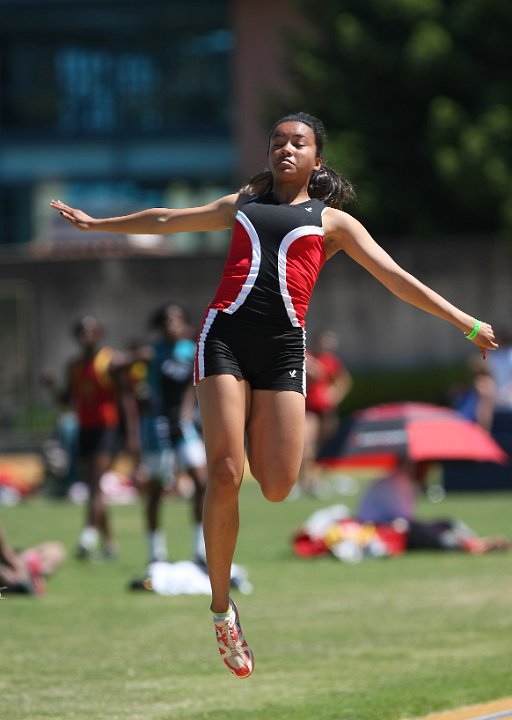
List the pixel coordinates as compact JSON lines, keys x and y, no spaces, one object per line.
{"x":343,"y":232}
{"x":217,"y":215}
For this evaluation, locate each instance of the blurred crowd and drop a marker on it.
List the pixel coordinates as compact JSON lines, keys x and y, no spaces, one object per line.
{"x":128,"y":421}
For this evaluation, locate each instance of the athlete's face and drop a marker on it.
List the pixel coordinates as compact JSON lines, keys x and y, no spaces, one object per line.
{"x":292,"y":152}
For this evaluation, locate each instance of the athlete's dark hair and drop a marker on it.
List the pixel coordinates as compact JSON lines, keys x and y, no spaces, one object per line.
{"x":157,"y":319}
{"x":325,"y":184}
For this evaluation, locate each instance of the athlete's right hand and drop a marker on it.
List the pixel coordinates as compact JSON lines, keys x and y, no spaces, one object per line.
{"x":77,"y":218}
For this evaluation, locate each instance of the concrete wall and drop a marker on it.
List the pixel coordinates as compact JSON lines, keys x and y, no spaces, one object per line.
{"x":376,"y":328}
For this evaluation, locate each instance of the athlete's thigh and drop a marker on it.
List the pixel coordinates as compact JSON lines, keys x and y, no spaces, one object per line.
{"x":224,"y":402}
{"x":275,"y":434}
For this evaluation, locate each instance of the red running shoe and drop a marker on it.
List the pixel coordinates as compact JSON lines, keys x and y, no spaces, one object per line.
{"x":233,"y":648}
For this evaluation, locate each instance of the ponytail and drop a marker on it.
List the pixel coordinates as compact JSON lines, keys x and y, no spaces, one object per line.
{"x":327,"y":185}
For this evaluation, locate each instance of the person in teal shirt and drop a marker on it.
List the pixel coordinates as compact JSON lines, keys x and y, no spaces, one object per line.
{"x":170,"y":440}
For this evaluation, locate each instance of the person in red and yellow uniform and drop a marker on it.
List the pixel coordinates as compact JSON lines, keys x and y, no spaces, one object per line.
{"x":95,"y":390}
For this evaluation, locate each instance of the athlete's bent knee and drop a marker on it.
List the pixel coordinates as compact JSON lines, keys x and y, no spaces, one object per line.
{"x":276,"y":492}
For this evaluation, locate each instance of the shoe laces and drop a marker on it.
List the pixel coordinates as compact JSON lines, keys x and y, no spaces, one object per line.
{"x":229,"y":638}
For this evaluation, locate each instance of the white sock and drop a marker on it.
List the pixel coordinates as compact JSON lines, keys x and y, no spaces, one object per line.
{"x":89,"y":538}
{"x":198,"y":547}
{"x":157,"y":546}
{"x":222,"y":617}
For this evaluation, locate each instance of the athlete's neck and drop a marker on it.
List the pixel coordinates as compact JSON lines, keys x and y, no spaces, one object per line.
{"x":290,"y":196}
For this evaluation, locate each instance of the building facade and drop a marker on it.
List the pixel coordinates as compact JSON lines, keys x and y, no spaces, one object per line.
{"x":121,"y":104}
{"x":113,"y":106}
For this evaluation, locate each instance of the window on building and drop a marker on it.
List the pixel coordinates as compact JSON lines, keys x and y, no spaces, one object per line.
{"x":158,"y":71}
{"x":111,"y":93}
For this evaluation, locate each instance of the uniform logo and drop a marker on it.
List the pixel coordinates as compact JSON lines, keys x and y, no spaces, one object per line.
{"x":293,"y":373}
{"x":308,"y":209}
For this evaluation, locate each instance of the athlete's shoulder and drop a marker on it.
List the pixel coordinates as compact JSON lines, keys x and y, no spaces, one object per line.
{"x":245,"y":199}
{"x":226,"y":206}
{"x":338,"y":221}
{"x":339,"y":229}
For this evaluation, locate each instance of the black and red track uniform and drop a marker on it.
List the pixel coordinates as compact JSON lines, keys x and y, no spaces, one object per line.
{"x":254,"y":327}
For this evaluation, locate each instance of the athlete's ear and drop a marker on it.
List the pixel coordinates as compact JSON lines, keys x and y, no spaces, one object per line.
{"x":318,"y":163}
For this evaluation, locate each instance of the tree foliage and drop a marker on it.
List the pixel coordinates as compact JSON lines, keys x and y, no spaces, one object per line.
{"x":416,"y":96}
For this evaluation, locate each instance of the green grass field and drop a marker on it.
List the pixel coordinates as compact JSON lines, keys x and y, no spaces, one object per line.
{"x":384,"y":639}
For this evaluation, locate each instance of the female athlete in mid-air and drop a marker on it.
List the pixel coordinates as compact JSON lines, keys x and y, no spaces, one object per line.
{"x":285,"y":223}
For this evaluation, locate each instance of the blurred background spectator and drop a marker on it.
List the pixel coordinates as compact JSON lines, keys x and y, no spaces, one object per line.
{"x":170,"y":440}
{"x":327,"y":383}
{"x":477,"y":400}
{"x":95,"y":388}
{"x":393,"y":498}
{"x":25,"y":571}
{"x":487,"y":400}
